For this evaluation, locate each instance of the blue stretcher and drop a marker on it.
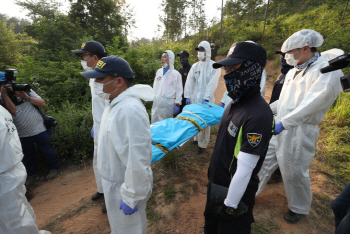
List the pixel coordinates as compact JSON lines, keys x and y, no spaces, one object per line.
{"x":170,"y":133}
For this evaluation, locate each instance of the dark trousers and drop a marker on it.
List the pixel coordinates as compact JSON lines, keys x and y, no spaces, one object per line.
{"x":42,"y":141}
{"x":341,"y":210}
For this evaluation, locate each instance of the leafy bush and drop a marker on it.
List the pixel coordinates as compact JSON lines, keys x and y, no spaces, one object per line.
{"x":224,"y":50}
{"x":72,"y":140}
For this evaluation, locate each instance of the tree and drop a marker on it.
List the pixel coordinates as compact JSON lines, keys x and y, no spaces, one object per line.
{"x":267,"y":8}
{"x":346,"y":5}
{"x":101,"y":19}
{"x":19,"y":23}
{"x":52,"y":29}
{"x":127,"y":13}
{"x":172,"y":18}
{"x":40,"y":8}
{"x":12,"y":46}
{"x":233,"y":8}
{"x":197,"y":19}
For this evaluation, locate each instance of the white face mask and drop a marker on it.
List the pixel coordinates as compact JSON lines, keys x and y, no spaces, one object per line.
{"x":98,"y":88}
{"x":85,"y":66}
{"x":201,"y":56}
{"x":290,"y":60}
{"x":165,"y":65}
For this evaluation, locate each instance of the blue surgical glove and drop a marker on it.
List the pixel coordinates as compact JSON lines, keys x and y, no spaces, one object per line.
{"x":278,"y":128}
{"x":188,"y":101}
{"x":92,"y":132}
{"x":222,"y":105}
{"x":176,"y":110}
{"x":126,"y":209}
{"x":204,"y":101}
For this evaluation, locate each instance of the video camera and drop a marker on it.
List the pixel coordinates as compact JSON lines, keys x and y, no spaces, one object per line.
{"x":10,"y":79}
{"x":340,"y":62}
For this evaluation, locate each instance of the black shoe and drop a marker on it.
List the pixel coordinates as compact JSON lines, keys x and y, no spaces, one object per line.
{"x":274,"y":179}
{"x":291,"y":217}
{"x":194,"y":143}
{"x":29,"y":194}
{"x":97,"y":196}
{"x":200,"y":150}
{"x":52,"y":174}
{"x":104,"y":209}
{"x":30,"y":181}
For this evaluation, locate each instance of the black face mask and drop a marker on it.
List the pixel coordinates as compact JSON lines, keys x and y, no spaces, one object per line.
{"x":183,"y":60}
{"x":240,"y":81}
{"x":285,"y":66}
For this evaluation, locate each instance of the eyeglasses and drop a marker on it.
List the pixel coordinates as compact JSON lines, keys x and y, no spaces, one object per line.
{"x":83,"y":55}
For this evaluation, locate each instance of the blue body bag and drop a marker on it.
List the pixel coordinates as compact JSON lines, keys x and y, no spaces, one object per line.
{"x":170,"y":133}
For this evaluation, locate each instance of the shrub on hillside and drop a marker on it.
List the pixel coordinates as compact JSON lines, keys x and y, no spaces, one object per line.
{"x":72,"y":140}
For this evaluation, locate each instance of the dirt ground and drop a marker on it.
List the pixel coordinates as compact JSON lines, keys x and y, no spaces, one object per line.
{"x":64,"y":204}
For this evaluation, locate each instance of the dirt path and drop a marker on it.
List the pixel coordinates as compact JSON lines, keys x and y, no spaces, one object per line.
{"x":63,"y":205}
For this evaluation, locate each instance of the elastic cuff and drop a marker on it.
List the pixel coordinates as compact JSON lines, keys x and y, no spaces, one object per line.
{"x":229,"y":204}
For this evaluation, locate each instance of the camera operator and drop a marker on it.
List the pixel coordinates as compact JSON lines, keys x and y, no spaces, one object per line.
{"x":30,"y":126}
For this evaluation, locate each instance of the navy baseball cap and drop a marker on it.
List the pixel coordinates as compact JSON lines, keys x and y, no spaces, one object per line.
{"x":91,"y":46}
{"x":184,"y":53}
{"x":200,"y":48}
{"x":2,"y":77}
{"x":110,"y":66}
{"x":242,"y":52}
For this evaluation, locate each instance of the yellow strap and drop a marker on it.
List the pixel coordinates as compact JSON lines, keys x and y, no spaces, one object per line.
{"x":161,"y":147}
{"x":192,"y":121}
{"x":188,"y":112}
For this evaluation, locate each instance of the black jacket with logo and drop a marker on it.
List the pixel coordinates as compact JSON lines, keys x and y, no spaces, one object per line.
{"x":246,"y":126}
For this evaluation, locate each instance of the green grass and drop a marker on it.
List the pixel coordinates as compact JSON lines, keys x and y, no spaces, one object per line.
{"x":334,"y":143}
{"x":264,"y":227}
{"x":152,"y":215}
{"x":169,"y":192}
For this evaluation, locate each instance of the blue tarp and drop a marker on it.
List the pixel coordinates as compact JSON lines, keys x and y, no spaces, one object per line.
{"x":170,"y":133}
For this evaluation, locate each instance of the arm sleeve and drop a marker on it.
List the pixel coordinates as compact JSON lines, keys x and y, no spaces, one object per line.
{"x":245,"y":166}
{"x":320,"y":96}
{"x":211,"y":86}
{"x":223,"y":100}
{"x":189,"y":83}
{"x":33,"y":94}
{"x":136,"y":156}
{"x":263,"y":83}
{"x":155,"y":83}
{"x":10,"y":145}
{"x":273,"y":107}
{"x":179,"y":89}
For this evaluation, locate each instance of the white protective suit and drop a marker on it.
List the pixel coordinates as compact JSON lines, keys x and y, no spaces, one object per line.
{"x":303,"y":104}
{"x":124,"y":158}
{"x":16,"y":214}
{"x":168,"y":88}
{"x":226,"y":99}
{"x":98,"y":105}
{"x":201,"y":84}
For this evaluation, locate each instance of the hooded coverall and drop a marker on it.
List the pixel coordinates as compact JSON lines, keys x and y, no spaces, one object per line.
{"x":201,"y":84}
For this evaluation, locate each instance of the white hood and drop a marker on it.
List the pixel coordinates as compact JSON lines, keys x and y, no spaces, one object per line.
{"x":207,"y":48}
{"x":144,"y":92}
{"x":171,"y":56}
{"x":332,"y":53}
